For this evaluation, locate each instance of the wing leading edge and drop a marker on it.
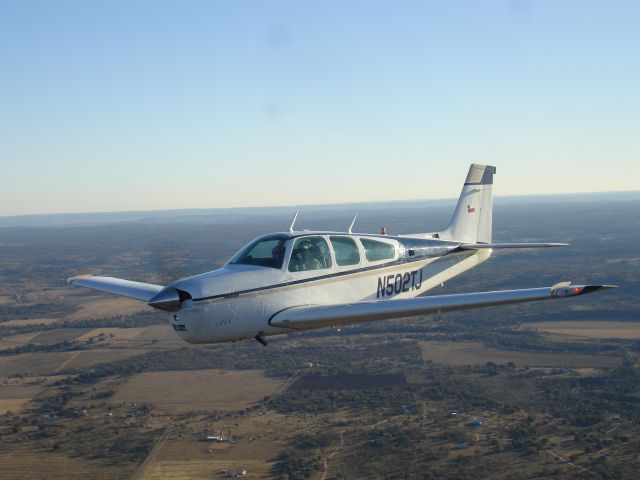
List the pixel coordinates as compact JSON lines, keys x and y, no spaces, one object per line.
{"x":118,"y":286}
{"x":317,"y":316}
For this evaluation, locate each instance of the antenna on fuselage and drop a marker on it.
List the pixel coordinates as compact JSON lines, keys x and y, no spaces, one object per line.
{"x":293,"y":221}
{"x":352,"y":223}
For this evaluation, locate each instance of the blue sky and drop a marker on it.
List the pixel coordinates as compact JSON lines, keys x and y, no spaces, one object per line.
{"x":137,"y":105}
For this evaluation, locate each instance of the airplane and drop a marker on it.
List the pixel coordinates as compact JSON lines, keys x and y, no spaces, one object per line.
{"x":300,"y":280}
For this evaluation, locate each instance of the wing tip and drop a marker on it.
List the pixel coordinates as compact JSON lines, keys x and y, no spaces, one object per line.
{"x":72,"y":280}
{"x":567,"y":289}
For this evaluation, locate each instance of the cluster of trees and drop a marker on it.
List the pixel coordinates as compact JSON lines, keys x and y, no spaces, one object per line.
{"x":25,"y":311}
{"x":305,"y":441}
{"x":295,"y":465}
{"x":395,"y":400}
{"x":65,"y":346}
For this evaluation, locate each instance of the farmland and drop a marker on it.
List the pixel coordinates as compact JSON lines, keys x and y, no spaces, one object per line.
{"x":463,"y":353}
{"x":97,"y":387}
{"x":590,"y":329}
{"x":197,"y":390}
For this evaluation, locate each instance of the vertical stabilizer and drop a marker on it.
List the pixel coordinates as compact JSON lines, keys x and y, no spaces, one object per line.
{"x":472,"y":220}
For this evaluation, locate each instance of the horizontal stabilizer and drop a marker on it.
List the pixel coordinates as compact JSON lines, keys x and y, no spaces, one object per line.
{"x":117,"y":286}
{"x":478,"y":246}
{"x":317,"y":316}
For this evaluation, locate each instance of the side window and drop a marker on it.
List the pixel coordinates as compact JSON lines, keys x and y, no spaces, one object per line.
{"x":375,"y":250}
{"x":266,"y":252}
{"x":346,"y":251}
{"x":309,"y":253}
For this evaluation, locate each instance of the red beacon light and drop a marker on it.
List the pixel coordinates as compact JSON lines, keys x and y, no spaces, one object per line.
{"x":383,"y":231}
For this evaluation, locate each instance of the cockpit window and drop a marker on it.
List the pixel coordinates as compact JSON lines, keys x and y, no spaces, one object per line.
{"x":264,"y":252}
{"x":375,"y":250}
{"x":309,"y":253}
{"x":345,"y":250}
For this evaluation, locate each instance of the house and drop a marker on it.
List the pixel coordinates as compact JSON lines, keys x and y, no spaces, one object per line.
{"x":241,"y":472}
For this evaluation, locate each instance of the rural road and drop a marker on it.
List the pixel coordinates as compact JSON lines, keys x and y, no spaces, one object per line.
{"x":142,"y":469}
{"x":325,"y":470}
{"x":567,"y":462}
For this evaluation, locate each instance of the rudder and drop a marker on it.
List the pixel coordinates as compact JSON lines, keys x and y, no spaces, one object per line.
{"x":473,"y":218}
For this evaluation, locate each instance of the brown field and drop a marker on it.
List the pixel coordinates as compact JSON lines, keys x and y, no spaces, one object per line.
{"x":24,"y":463}
{"x":13,"y":405}
{"x":87,"y":358}
{"x":630,"y":261}
{"x":31,"y":321}
{"x":162,"y":333}
{"x":590,"y":329}
{"x":14,"y":397}
{"x":107,"y":308}
{"x":463,"y":353}
{"x":33,"y":363}
{"x":349,"y":382}
{"x":60,"y":335}
{"x":14,"y":341}
{"x":7,"y":299}
{"x":197,"y":390}
{"x":186,"y":456}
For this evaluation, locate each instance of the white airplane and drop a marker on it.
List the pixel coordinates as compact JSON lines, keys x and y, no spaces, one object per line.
{"x":301,"y":280}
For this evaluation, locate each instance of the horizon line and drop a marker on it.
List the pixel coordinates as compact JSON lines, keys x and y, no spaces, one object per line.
{"x":294,"y":205}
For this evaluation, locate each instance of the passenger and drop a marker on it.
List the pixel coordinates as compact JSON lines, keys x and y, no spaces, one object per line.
{"x":317,"y":258}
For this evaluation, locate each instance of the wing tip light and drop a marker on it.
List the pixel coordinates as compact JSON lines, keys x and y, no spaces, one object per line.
{"x":566,"y":289}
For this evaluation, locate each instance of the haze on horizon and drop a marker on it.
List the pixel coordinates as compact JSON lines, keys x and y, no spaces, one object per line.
{"x":156,"y":105}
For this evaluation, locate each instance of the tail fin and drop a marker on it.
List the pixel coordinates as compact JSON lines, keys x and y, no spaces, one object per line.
{"x":472,"y":220}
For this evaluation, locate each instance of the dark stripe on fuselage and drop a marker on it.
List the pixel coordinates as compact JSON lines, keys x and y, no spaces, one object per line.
{"x":323,"y":277}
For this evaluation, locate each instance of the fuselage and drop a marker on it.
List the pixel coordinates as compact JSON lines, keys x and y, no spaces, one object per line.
{"x":283,"y":270}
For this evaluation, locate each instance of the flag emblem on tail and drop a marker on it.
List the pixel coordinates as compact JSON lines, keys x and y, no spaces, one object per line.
{"x":470,"y":209}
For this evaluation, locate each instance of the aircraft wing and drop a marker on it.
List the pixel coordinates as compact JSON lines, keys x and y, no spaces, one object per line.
{"x":478,"y":246}
{"x":316,"y":316}
{"x":117,"y":286}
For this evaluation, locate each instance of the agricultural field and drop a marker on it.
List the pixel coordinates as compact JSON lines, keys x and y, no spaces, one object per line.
{"x":15,"y":395}
{"x":34,"y":363}
{"x":95,"y":387}
{"x":590,"y":329}
{"x":469,"y":353}
{"x":161,"y":334}
{"x":25,"y":463}
{"x":349,"y":382}
{"x":176,"y":392}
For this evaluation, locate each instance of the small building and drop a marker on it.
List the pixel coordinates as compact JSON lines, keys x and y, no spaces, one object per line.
{"x":241,"y":472}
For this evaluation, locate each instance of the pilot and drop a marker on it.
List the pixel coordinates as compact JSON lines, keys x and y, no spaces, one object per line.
{"x":302,"y":258}
{"x":277,"y":254}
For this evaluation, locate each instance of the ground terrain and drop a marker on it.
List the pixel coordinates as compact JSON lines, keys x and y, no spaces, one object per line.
{"x":94,"y":387}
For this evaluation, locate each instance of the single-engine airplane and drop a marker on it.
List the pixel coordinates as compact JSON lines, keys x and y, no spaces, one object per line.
{"x":301,"y":280}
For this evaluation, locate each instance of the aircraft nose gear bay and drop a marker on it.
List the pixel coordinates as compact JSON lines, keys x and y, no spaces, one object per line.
{"x":300,"y":280}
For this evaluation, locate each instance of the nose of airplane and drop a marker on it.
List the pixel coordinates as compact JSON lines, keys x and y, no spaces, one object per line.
{"x":171,"y":299}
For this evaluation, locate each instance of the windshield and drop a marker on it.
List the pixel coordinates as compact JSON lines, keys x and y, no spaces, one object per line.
{"x":264,"y":252}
